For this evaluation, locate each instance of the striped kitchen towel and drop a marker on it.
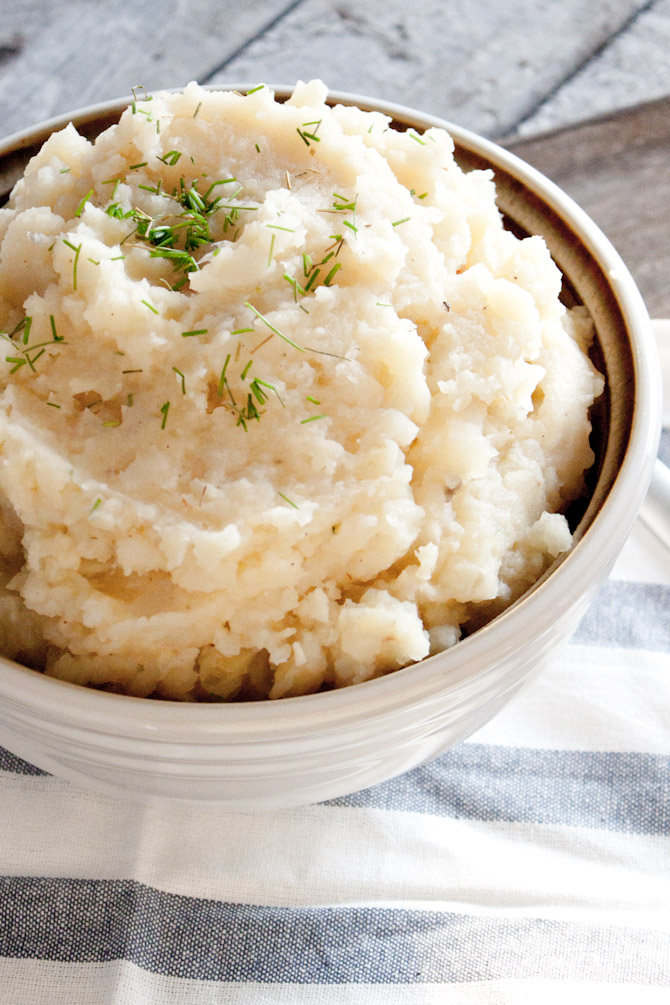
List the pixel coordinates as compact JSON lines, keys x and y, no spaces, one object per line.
{"x":530,"y":864}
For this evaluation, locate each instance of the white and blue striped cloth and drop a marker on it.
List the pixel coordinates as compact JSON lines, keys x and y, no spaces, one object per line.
{"x":529,"y":866}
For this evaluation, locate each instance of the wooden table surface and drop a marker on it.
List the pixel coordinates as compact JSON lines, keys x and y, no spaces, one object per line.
{"x":509,"y":71}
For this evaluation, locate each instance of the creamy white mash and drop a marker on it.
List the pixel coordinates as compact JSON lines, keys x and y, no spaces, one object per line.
{"x":282,"y":404}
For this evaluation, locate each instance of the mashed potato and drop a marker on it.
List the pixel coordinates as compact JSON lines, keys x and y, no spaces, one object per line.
{"x":282,"y":406}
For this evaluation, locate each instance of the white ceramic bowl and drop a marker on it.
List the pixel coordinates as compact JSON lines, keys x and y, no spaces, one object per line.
{"x":257,"y":755}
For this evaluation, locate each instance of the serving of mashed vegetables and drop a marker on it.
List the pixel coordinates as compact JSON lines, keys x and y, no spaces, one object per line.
{"x":283,"y":406}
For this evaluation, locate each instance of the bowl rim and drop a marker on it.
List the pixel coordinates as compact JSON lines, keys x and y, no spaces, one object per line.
{"x":544,"y":603}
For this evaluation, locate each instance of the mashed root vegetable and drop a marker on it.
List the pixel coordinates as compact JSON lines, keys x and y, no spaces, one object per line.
{"x":282,"y":404}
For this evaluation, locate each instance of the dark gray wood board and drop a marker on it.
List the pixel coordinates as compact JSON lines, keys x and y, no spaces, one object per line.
{"x":618,"y":169}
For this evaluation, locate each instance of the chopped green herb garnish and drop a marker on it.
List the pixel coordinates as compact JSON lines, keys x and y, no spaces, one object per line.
{"x":289,"y":501}
{"x":130,"y":400}
{"x":258,"y":149}
{"x":150,"y":306}
{"x":398,"y":222}
{"x":132,"y":371}
{"x":312,"y":418}
{"x":415,"y":136}
{"x":56,"y":336}
{"x":246,"y":369}
{"x":312,"y":279}
{"x":156,"y":190}
{"x":195,"y":114}
{"x":170,"y":158}
{"x":329,"y":278}
{"x":222,"y":380}
{"x":309,"y":137}
{"x":65,"y":170}
{"x":134,"y":167}
{"x":164,"y":412}
{"x":272,"y":246}
{"x":18,"y":360}
{"x":77,"y":251}
{"x":183,"y":379}
{"x":196,"y":331}
{"x":313,"y":400}
{"x":272,"y":327}
{"x":80,"y":208}
{"x":254,"y":89}
{"x":94,"y":507}
{"x":52,"y":404}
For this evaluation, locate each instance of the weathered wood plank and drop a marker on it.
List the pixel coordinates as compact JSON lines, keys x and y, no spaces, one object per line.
{"x":632,"y":68}
{"x":483,"y":65}
{"x":56,"y":57}
{"x":616,"y":168}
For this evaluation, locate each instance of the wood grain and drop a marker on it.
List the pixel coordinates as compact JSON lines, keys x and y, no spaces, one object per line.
{"x":62,"y":56}
{"x":482,"y":64}
{"x":616,"y":168}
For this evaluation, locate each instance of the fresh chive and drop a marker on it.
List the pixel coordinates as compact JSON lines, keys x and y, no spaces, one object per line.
{"x":35,"y":358}
{"x":312,"y":279}
{"x":272,"y":327}
{"x":222,"y":379}
{"x":77,"y":251}
{"x":196,"y":331}
{"x":52,"y":404}
{"x":258,"y":149}
{"x":272,"y":246}
{"x":96,"y":504}
{"x":134,"y":167}
{"x":289,"y":501}
{"x":297,"y":288}
{"x":312,"y":418}
{"x":223,"y":181}
{"x":241,"y":331}
{"x":398,"y":222}
{"x":80,"y":208}
{"x":132,"y":371}
{"x":65,"y":170}
{"x":275,"y":226}
{"x":112,"y":422}
{"x":329,"y":278}
{"x":195,"y":114}
{"x":56,"y":336}
{"x":115,"y":182}
{"x":246,"y":369}
{"x":164,"y":412}
{"x":183,"y":379}
{"x":150,"y":306}
{"x":254,"y":89}
{"x":19,"y":361}
{"x":415,"y":136}
{"x":313,"y":400}
{"x":130,"y":400}
{"x":154,"y":191}
{"x":170,"y":158}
